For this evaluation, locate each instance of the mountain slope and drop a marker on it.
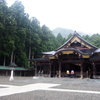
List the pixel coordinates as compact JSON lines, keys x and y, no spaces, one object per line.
{"x":62,"y":31}
{"x":65,"y":32}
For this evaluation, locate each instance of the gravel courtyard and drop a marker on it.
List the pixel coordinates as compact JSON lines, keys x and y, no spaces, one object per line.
{"x":73,"y":84}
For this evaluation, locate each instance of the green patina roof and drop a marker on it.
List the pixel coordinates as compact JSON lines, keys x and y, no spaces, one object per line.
{"x":14,"y":68}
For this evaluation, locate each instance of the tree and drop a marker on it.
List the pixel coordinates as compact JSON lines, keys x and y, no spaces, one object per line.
{"x":60,"y":39}
{"x":69,"y":36}
{"x":95,"y":39}
{"x":7,"y":30}
{"x":18,"y":13}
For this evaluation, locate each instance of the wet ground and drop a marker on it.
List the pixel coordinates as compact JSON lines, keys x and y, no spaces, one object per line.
{"x":68,"y":88}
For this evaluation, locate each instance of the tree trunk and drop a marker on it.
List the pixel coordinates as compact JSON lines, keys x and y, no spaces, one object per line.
{"x":4,"y":61}
{"x":29,"y":56}
{"x":14,"y":57}
{"x":11,"y":57}
{"x":29,"y":52}
{"x":33,"y":55}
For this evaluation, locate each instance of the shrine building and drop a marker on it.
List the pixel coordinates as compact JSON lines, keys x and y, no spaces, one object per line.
{"x":76,"y":54}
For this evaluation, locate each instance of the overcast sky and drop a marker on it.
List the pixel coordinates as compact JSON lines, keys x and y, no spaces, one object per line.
{"x":79,"y":15}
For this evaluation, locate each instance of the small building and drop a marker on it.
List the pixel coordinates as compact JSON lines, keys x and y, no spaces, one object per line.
{"x":18,"y":71}
{"x":75,"y":54}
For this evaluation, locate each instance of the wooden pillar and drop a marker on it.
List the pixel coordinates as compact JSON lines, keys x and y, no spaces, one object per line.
{"x":59,"y":69}
{"x":20,"y":73}
{"x":40,"y":70}
{"x":81,"y":70}
{"x":94,"y":70}
{"x":49,"y":69}
{"x":54,"y":71}
{"x":35,"y":69}
{"x":7,"y":73}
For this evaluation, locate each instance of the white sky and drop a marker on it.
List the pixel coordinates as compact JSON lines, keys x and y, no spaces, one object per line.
{"x":79,"y":15}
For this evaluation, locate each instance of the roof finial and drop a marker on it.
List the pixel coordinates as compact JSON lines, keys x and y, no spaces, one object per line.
{"x":75,"y":32}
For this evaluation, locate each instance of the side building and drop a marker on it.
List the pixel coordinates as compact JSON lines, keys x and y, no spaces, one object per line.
{"x":75,"y":54}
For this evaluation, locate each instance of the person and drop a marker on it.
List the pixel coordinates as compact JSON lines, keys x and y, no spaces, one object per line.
{"x":72,"y":73}
{"x":67,"y":73}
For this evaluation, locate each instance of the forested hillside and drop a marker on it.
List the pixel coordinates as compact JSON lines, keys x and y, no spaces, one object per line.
{"x":65,"y":32}
{"x":94,"y":39}
{"x":62,"y":31}
{"x":21,"y":37}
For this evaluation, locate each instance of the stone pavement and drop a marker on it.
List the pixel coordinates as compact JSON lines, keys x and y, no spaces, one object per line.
{"x":26,"y":88}
{"x":9,"y":90}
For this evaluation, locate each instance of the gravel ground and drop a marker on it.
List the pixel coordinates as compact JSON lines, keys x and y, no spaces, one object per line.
{"x":66,"y":83}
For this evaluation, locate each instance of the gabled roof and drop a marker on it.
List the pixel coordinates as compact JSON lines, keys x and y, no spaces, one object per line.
{"x":83,"y":52}
{"x":77,"y":38}
{"x":97,"y":50}
{"x":85,"y":48}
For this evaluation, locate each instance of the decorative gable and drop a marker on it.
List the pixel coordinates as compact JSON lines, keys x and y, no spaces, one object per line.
{"x":76,"y":41}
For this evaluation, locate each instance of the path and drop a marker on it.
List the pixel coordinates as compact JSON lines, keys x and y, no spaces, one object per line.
{"x":10,"y":89}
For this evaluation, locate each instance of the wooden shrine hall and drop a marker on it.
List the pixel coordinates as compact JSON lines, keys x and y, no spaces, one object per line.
{"x":75,"y":54}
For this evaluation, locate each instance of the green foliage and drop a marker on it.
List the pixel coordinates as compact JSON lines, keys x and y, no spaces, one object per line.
{"x":94,"y":39}
{"x":60,"y":40}
{"x":69,"y":36}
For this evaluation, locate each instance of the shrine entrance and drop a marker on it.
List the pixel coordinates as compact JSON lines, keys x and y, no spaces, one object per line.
{"x":70,"y":67}
{"x":82,"y":67}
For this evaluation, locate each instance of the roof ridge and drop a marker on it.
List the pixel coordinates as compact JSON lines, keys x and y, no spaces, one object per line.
{"x":77,"y":35}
